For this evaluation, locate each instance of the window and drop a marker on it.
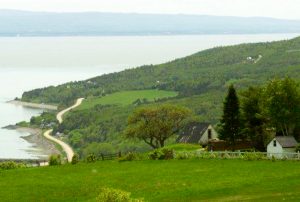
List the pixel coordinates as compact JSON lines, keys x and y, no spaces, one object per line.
{"x":209,"y":134}
{"x":274,"y":143}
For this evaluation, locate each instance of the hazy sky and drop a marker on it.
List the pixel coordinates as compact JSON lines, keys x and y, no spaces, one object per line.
{"x":268,"y":8}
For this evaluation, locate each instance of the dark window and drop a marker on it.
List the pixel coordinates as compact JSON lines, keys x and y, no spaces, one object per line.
{"x":209,"y":134}
{"x":274,"y":143}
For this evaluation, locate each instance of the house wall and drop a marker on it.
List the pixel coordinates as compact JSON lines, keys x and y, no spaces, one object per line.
{"x":274,"y":151}
{"x":214,"y":135}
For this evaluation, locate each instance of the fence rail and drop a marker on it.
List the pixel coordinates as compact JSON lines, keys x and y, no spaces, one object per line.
{"x":229,"y":154}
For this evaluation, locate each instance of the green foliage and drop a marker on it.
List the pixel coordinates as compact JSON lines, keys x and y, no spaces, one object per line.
{"x":273,"y":109}
{"x":115,"y":195}
{"x":282,"y":104}
{"x":75,"y":159}
{"x":253,"y":156}
{"x":98,"y":149}
{"x":154,"y":125}
{"x":23,"y":124}
{"x":230,"y":122}
{"x":254,"y":122}
{"x":55,"y":160}
{"x":183,"y":147}
{"x":129,"y":157}
{"x":298,"y":148}
{"x":7,"y":165}
{"x":45,"y":120}
{"x":91,"y":158}
{"x":161,"y":154}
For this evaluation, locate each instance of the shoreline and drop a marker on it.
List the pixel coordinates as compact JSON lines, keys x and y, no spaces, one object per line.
{"x":33,"y":105}
{"x":41,"y":147}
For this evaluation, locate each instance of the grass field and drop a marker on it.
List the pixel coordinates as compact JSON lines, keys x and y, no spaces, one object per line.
{"x":127,"y":97}
{"x":175,"y":180}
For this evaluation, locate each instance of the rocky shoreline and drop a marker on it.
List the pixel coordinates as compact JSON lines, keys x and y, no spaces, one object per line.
{"x":41,"y":146}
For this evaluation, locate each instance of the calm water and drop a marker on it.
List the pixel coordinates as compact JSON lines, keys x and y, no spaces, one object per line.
{"x":27,"y":63}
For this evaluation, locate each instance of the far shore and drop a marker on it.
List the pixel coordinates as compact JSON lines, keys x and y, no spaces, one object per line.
{"x":33,"y":105}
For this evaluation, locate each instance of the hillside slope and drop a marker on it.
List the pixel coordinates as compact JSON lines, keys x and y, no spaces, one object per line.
{"x":202,"y":72}
{"x":200,"y":80}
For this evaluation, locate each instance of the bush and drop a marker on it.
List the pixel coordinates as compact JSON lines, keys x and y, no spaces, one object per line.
{"x":115,"y":195}
{"x":75,"y":159}
{"x":11,"y":165}
{"x":298,"y":148}
{"x":91,"y":158}
{"x":182,"y":155}
{"x":129,"y":157}
{"x":161,"y":154}
{"x":251,"y":156}
{"x":55,"y":160}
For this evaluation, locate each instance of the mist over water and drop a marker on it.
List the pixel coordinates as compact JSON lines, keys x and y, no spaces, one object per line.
{"x":35,"y":62}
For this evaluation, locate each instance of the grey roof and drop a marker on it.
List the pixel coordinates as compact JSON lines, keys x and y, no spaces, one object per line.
{"x":193,"y":132}
{"x":287,"y":141}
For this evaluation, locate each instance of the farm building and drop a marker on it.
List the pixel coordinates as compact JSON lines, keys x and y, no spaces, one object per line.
{"x":198,"y":133}
{"x":282,"y":146}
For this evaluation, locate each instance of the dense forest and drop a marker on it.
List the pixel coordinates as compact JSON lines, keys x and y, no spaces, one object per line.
{"x":201,"y":81}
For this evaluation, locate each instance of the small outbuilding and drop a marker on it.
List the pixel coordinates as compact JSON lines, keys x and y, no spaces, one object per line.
{"x":198,"y":133}
{"x":282,"y":146}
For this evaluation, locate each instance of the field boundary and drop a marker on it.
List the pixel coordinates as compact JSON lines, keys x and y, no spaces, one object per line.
{"x":238,"y":155}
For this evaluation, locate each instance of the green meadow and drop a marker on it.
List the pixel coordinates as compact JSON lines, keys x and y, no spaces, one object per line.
{"x":173,"y":180}
{"x":127,"y":98}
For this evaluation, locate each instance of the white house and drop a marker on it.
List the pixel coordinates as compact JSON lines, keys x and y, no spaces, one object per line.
{"x":198,"y":133}
{"x":282,"y":146}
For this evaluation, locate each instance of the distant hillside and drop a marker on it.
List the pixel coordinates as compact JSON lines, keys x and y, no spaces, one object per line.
{"x":200,"y":82}
{"x":213,"y":69}
{"x":23,"y":23}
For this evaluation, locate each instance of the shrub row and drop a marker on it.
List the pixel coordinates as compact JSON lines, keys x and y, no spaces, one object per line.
{"x":11,"y":165}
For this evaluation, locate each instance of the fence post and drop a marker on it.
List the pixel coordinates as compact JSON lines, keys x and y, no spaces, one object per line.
{"x":120,"y":154}
{"x":102,"y":156}
{"x":298,"y":155}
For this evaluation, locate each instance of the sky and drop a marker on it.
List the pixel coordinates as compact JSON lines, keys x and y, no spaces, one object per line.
{"x":285,"y":9}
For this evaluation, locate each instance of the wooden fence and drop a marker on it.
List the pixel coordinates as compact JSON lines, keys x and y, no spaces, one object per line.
{"x":104,"y":157}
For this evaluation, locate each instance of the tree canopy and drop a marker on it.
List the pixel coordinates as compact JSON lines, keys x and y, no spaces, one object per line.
{"x":154,"y":125}
{"x":230,"y":122}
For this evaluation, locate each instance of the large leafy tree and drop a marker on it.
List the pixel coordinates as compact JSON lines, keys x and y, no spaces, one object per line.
{"x":282,"y":105}
{"x":230,"y":122}
{"x":154,"y":125}
{"x":254,"y":122}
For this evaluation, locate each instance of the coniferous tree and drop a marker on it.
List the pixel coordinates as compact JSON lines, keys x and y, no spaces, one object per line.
{"x":230,"y":122}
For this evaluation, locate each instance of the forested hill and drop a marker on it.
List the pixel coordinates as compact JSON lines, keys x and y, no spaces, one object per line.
{"x":206,"y":71}
{"x":24,"y":23}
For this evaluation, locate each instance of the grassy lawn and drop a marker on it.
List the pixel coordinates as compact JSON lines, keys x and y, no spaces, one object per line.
{"x":127,"y":97}
{"x":175,"y":180}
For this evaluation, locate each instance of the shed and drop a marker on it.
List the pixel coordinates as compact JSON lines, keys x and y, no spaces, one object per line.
{"x":282,"y":146}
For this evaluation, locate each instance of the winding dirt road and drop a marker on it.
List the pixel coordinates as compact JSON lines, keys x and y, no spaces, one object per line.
{"x":69,"y":151}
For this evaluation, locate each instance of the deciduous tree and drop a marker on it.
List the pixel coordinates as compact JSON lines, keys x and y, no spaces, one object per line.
{"x":154,"y":125}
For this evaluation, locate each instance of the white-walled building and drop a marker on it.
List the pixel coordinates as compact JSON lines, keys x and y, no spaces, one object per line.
{"x":198,"y":133}
{"x":281,"y":146}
